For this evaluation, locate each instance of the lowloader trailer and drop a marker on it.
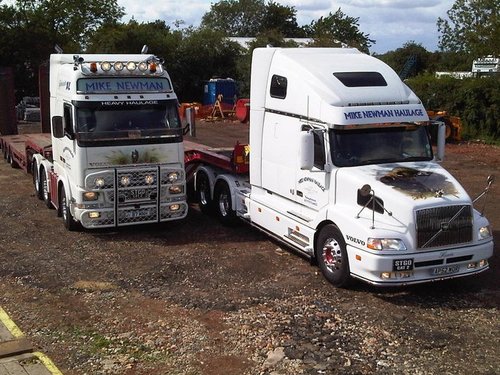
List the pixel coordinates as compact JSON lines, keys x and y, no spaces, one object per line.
{"x":340,"y":168}
{"x":115,"y":155}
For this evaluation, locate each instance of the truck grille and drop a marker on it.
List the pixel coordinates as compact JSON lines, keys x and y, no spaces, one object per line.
{"x":137,"y":195}
{"x":430,"y":221}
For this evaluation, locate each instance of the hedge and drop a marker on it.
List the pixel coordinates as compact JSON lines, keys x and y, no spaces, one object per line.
{"x":475,"y":100}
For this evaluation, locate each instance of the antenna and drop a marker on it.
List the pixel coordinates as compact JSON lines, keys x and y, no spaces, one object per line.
{"x":144,"y":49}
{"x":58,"y":49}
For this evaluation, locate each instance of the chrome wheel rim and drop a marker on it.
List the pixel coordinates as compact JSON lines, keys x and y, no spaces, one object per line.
{"x":332,"y":255}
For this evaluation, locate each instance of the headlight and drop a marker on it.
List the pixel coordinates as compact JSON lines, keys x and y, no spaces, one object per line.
{"x":385,"y":244}
{"x":99,"y":182}
{"x":175,"y":189}
{"x":125,"y":180}
{"x":149,"y":179}
{"x":484,"y":233}
{"x":90,"y":196}
{"x":173,"y":176}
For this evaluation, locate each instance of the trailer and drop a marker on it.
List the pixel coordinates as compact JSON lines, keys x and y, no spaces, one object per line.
{"x":340,"y":168}
{"x":115,"y":155}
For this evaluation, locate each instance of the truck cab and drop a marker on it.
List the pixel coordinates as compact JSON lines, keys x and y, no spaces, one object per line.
{"x":342,"y":169}
{"x":117,"y":152}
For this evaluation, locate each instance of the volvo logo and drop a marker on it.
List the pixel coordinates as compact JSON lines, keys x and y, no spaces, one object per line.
{"x":135,"y":156}
{"x":444,"y":226}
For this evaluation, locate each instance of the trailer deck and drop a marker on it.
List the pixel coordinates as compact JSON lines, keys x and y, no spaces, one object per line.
{"x":17,"y":149}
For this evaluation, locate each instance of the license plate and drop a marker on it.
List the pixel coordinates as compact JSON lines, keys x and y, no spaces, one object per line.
{"x":402,"y":264}
{"x":136,"y":194}
{"x":445,"y":270}
{"x":138,"y":213}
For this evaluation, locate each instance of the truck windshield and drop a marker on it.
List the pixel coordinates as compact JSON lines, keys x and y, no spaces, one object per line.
{"x":380,"y":145}
{"x":102,"y":118}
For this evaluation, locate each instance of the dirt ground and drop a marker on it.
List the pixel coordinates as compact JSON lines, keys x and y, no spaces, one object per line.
{"x":199,"y":298}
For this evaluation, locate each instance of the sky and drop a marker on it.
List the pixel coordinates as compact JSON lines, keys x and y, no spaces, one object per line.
{"x":391,"y":23}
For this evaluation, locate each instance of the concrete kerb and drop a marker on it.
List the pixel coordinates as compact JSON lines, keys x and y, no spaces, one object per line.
{"x":18,"y":354}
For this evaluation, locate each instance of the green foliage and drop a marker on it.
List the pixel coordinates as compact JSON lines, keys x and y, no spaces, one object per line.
{"x":475,"y":100}
{"x":473,"y":28}
{"x":338,"y":29}
{"x":30,"y":29}
{"x":248,"y":18}
{"x":398,"y":59}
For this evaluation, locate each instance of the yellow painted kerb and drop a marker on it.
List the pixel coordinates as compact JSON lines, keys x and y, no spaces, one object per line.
{"x":48,"y":363}
{"x":11,"y":326}
{"x":16,"y":332}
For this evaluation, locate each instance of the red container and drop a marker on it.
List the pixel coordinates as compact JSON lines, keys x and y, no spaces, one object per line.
{"x":243,"y":110}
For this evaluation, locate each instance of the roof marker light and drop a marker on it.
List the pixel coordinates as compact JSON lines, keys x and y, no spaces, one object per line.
{"x":152,"y":67}
{"x":93,"y":67}
{"x":106,"y":66}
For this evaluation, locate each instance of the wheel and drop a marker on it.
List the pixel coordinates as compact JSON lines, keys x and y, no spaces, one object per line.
{"x":331,"y":255}
{"x":36,"y":180}
{"x":11,"y":161}
{"x":65,"y":211}
{"x":203,"y":196}
{"x":223,"y":204}
{"x":44,"y":185}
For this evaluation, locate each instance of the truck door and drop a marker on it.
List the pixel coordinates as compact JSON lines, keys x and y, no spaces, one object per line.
{"x":312,"y":186}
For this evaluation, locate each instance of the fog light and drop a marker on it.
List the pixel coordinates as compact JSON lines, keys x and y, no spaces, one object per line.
{"x":385,"y":275}
{"x":118,"y":66}
{"x":106,"y":66}
{"x":174,"y":207}
{"x":173,"y":176}
{"x":90,"y":196}
{"x":94,"y":215}
{"x":472,"y":265}
{"x":131,"y":66}
{"x":143,"y":66}
{"x":483,"y":262}
{"x":176,"y":189}
{"x":149,"y":179}
{"x":99,"y":182}
{"x":125,"y":180}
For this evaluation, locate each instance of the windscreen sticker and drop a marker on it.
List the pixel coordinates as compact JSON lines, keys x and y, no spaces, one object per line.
{"x":419,"y":184}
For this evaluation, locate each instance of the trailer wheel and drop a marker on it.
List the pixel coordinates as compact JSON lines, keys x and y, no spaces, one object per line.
{"x":65,"y":212}
{"x":36,"y":180}
{"x":44,"y":185}
{"x":11,"y":161}
{"x":223,"y":203}
{"x":203,"y":193}
{"x":331,"y":255}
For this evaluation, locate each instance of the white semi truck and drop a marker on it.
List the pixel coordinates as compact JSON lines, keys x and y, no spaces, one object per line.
{"x":115,"y":155}
{"x":340,"y":168}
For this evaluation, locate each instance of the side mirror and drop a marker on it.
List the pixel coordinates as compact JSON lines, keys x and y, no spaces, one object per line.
{"x":306,"y":150}
{"x":57,"y":127}
{"x":441,"y":139}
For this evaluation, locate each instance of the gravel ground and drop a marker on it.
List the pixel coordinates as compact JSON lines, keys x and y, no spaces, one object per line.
{"x":198,"y":298}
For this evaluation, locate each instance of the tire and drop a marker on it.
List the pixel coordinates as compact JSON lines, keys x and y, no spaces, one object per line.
{"x":36,"y":180}
{"x":203,"y":196}
{"x":331,"y":256}
{"x":69,"y":223}
{"x":11,"y":161}
{"x":44,"y":185}
{"x":223,"y":204}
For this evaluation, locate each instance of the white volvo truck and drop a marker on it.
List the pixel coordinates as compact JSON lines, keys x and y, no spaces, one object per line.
{"x":341,"y":169}
{"x":115,"y":155}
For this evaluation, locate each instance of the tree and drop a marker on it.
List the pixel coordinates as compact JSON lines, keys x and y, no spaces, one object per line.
{"x":30,"y":29}
{"x":473,"y":28}
{"x":338,"y":29}
{"x":250,"y":17}
{"x":410,"y":60}
{"x":130,"y":38}
{"x":235,"y":17}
